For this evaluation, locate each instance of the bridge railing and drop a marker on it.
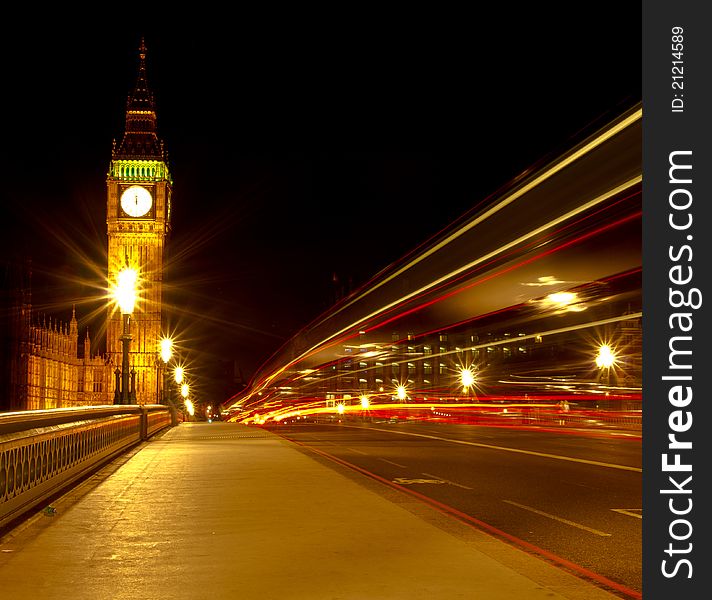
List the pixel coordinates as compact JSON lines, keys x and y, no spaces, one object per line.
{"x":43,"y":451}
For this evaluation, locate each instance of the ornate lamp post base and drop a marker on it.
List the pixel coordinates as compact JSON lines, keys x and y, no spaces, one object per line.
{"x":122,"y":393}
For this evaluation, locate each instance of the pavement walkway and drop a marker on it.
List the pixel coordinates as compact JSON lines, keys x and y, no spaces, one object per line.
{"x":222,"y":511}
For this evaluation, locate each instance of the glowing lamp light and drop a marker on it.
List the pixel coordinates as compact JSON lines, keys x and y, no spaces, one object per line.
{"x":166,"y":349}
{"x":606,"y":358}
{"x":178,"y":375}
{"x":401,"y":393}
{"x":365,"y":402}
{"x":467,"y":378}
{"x":184,"y":390}
{"x":340,"y":408}
{"x":125,"y":292}
{"x":189,"y":407}
{"x":561,"y":298}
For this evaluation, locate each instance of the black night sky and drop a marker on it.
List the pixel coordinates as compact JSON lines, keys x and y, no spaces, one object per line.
{"x":298,"y":152}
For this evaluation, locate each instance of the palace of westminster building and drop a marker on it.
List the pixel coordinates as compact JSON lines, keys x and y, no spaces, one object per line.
{"x":44,"y":363}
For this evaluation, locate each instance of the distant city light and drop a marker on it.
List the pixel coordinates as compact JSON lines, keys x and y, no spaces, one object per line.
{"x":340,"y":408}
{"x":467,"y":378}
{"x":189,"y":407}
{"x":561,"y":298}
{"x":401,"y":392}
{"x":365,"y":402}
{"x":606,"y":357}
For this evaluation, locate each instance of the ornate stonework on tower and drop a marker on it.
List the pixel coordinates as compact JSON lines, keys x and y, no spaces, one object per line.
{"x":138,"y":210}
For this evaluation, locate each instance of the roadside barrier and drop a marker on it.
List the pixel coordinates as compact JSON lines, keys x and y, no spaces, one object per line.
{"x":44,"y":451}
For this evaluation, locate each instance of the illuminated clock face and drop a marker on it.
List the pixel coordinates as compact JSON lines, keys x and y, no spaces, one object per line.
{"x":136,"y":201}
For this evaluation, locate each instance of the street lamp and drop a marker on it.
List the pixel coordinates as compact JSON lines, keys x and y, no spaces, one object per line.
{"x":187,"y":403}
{"x":178,"y":374}
{"x":125,"y":296}
{"x":166,"y":346}
{"x":189,"y":407}
{"x":605,"y":359}
{"x":467,"y":378}
{"x":166,"y":349}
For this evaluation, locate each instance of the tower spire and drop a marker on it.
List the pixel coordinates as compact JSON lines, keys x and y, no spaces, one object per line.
{"x":141,"y":98}
{"x":140,"y":140}
{"x":73,"y":325}
{"x":87,"y":345}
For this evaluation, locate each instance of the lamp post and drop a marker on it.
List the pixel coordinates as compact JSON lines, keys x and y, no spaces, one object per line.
{"x":178,"y":375}
{"x":605,"y":359}
{"x":401,"y":392}
{"x":166,"y":354}
{"x":125,"y":296}
{"x":185,"y":391}
{"x":467,"y":379}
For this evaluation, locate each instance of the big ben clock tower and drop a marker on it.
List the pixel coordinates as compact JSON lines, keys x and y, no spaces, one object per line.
{"x":138,"y":210}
